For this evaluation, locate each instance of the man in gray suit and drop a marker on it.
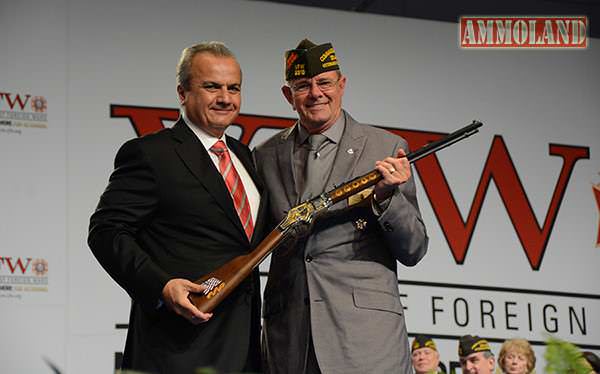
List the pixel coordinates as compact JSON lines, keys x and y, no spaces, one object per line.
{"x":331,"y":302}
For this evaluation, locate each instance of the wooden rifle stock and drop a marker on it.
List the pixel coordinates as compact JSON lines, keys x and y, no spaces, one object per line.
{"x":221,"y":282}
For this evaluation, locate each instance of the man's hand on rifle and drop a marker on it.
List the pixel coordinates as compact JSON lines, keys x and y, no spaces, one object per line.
{"x":395,"y":171}
{"x":175,"y":296}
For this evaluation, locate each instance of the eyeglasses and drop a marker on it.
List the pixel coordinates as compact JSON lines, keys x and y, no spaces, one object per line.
{"x":324,"y":85}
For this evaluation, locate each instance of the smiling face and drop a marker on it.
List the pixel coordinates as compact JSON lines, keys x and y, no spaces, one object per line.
{"x":425,"y":360}
{"x":213,"y":98}
{"x":317,"y":100}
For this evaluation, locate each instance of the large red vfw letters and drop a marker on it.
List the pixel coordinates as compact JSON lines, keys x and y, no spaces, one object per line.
{"x":498,"y":167}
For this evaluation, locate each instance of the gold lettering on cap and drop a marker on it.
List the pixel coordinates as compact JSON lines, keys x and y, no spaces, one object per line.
{"x":326,"y":54}
{"x":480,"y":345}
{"x":299,"y":70}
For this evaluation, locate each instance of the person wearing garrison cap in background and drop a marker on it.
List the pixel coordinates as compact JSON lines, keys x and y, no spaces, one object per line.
{"x":475,"y":355}
{"x":332,"y":303}
{"x":425,"y":356}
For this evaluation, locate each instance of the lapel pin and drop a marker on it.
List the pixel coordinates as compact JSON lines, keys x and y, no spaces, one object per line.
{"x":350,"y":151}
{"x":360,"y":224}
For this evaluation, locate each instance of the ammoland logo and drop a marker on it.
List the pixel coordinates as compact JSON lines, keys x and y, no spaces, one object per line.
{"x":526,"y":32}
{"x":20,"y":111}
{"x":19,"y":275}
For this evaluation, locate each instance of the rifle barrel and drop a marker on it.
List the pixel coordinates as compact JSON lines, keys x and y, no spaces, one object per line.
{"x":370,"y":179}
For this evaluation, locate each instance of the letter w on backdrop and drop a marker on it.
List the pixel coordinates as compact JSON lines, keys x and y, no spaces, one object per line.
{"x":457,"y":231}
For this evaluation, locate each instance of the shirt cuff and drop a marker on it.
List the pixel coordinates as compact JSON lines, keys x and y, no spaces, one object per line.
{"x":379,"y":207}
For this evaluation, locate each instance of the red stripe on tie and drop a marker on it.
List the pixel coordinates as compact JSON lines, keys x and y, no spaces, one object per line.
{"x":235,"y":186}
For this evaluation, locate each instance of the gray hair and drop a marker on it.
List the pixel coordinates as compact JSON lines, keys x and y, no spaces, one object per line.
{"x":184,"y":66}
{"x":488,"y":354}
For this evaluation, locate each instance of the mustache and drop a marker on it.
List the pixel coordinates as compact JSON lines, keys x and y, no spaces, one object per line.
{"x":223,"y":106}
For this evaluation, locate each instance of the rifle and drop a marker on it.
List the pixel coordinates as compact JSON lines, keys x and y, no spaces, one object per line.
{"x":221,"y":282}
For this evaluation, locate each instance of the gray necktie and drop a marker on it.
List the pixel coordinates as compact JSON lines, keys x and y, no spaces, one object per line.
{"x":315,"y":174}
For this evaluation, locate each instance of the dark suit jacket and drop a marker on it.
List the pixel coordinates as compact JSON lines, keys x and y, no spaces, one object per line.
{"x":166,"y":213}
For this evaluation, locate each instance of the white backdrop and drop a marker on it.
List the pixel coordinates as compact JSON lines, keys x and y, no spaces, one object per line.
{"x":84,"y":56}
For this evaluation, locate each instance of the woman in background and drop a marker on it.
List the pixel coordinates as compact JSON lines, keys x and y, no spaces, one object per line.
{"x":516,"y":357}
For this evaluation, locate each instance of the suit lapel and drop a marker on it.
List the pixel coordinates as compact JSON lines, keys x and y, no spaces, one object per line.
{"x":196,"y":158}
{"x":285,"y":161}
{"x":261,"y":219}
{"x":349,"y":151}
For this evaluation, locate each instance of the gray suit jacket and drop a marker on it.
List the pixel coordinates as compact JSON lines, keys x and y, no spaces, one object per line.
{"x":340,"y":284}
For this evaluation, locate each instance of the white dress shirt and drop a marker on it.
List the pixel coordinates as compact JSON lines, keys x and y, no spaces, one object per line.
{"x":208,"y":141}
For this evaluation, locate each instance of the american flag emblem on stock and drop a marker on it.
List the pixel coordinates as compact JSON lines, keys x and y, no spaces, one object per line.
{"x":210,"y":284}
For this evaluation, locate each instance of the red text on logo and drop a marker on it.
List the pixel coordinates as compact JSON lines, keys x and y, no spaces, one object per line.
{"x":12,"y":99}
{"x":15,"y":264}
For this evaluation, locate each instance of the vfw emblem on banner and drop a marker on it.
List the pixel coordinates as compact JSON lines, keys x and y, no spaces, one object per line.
{"x":20,"y":275}
{"x":485,"y":32}
{"x":20,"y":111}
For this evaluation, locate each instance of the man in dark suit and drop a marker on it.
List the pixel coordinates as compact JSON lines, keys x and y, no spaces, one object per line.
{"x":179,"y":204}
{"x":331,"y":302}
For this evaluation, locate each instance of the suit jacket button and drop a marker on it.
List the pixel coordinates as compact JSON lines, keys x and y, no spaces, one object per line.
{"x":388,"y":227}
{"x":309,"y":258}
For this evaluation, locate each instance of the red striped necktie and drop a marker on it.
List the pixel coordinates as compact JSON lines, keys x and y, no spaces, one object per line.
{"x":235,"y":186}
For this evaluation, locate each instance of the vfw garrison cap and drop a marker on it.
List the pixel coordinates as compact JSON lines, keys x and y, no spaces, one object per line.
{"x":472,"y":344}
{"x":423,"y":341}
{"x":309,"y":59}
